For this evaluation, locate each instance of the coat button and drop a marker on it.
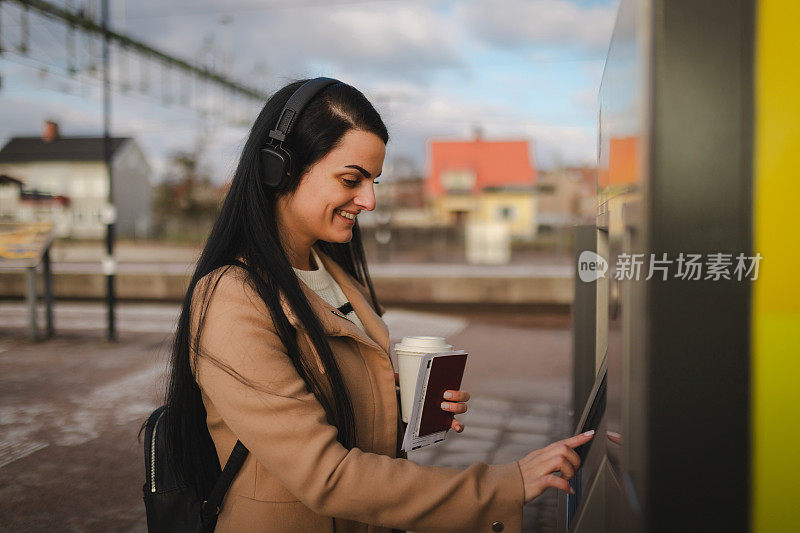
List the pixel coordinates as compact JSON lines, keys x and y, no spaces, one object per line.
{"x":498,"y":526}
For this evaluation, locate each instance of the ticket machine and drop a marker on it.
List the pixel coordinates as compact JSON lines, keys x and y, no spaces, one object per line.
{"x":663,"y":359}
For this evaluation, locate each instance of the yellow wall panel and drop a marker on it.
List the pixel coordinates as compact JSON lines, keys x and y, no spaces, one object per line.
{"x":776,"y":303}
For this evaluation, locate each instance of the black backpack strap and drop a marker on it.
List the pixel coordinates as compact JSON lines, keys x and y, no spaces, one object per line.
{"x":213,"y":504}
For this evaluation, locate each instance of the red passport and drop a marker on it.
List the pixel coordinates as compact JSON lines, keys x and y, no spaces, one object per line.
{"x":445,"y":373}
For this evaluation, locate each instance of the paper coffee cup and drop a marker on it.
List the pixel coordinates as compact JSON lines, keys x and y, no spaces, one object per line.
{"x":409,"y":353}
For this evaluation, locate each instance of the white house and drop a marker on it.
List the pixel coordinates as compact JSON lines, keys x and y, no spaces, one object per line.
{"x":20,"y":205}
{"x":74,"y":167}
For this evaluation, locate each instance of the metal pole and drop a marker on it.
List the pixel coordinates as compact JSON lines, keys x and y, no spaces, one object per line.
{"x":109,"y":266}
{"x":48,"y":293}
{"x":33,"y":316}
{"x":1,"y":26}
{"x":71,"y":55}
{"x":25,"y":36}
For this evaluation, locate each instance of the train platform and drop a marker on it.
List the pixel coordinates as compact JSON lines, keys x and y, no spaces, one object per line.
{"x":71,"y":406}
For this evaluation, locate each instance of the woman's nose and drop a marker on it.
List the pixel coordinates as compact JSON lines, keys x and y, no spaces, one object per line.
{"x":365,"y":198}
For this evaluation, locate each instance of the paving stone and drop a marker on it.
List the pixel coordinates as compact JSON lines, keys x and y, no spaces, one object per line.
{"x":482,"y":402}
{"x":520,"y":449}
{"x":472,"y":432}
{"x":543,"y":409}
{"x":457,"y":444}
{"x":529,"y":424}
{"x":484,"y":419}
{"x":525,"y":390}
{"x":507,"y":457}
{"x":533,"y":439}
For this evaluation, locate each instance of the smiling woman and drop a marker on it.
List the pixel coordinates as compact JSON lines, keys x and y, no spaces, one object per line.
{"x":325,"y":204}
{"x":281,"y":347}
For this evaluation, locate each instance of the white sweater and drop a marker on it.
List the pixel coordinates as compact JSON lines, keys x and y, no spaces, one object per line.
{"x":321,"y":282}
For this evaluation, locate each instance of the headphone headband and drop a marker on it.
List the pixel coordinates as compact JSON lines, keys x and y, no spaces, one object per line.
{"x":295,"y":105}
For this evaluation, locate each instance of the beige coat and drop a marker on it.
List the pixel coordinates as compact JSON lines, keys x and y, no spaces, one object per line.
{"x":297,"y":475}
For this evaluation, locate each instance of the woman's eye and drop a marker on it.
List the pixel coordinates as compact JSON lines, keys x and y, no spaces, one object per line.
{"x":350,"y":183}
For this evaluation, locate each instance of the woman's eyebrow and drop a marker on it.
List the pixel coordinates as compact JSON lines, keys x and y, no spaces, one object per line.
{"x":360,"y":169}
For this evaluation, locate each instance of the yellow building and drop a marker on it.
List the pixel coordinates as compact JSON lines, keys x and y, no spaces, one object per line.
{"x":479,"y":181}
{"x":514,"y":206}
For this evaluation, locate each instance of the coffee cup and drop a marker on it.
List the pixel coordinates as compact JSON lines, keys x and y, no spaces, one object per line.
{"x":409,"y":354}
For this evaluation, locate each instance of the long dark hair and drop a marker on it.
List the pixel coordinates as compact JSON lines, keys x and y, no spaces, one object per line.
{"x":247,"y":227}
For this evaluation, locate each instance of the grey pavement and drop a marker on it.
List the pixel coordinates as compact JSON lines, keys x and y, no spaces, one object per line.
{"x":71,"y":407}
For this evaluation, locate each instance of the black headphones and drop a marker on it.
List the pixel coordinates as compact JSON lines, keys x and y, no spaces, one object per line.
{"x":276,"y":159}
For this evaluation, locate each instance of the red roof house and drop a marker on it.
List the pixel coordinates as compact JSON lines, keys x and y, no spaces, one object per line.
{"x":472,"y":166}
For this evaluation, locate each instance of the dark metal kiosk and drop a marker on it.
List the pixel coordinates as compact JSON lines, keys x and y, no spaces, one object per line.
{"x":664,"y":310}
{"x":25,"y":247}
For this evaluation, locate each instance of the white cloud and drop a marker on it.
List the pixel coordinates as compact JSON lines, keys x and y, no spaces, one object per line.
{"x":515,"y":23}
{"x":439,"y":114}
{"x":395,"y":52}
{"x":385,"y":38}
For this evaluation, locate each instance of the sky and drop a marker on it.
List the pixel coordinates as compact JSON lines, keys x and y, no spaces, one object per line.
{"x":435,"y":69}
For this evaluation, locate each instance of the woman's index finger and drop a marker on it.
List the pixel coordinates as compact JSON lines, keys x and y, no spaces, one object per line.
{"x":577,"y":440}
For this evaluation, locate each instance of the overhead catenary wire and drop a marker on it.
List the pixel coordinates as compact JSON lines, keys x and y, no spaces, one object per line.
{"x":92,"y":82}
{"x":74,"y":51}
{"x":88,"y":25}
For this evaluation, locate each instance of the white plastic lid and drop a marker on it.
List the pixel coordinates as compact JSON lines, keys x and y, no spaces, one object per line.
{"x":421,"y":344}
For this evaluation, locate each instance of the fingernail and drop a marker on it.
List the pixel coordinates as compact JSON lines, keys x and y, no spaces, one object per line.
{"x":445,"y":405}
{"x":589,"y":433}
{"x":448,"y":395}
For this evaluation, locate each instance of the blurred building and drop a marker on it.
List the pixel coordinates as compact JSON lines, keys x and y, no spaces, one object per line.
{"x":20,"y":205}
{"x":64,"y":179}
{"x":186,"y":201}
{"x":10,"y":193}
{"x":566,"y":198}
{"x":400,"y":198}
{"x":485,"y":182}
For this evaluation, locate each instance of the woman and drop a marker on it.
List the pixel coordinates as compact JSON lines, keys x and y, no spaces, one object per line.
{"x":280,"y":344}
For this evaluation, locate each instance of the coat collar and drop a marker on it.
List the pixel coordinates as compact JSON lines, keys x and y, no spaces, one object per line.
{"x":332,"y":321}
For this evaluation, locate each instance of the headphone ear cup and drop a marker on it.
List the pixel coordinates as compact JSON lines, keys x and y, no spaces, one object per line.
{"x":276,"y":163}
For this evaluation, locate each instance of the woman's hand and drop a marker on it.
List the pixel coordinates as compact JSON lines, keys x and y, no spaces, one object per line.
{"x":538,"y":466}
{"x":456,"y":403}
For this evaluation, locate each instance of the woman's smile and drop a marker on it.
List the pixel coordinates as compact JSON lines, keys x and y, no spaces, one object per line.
{"x":349,"y":218}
